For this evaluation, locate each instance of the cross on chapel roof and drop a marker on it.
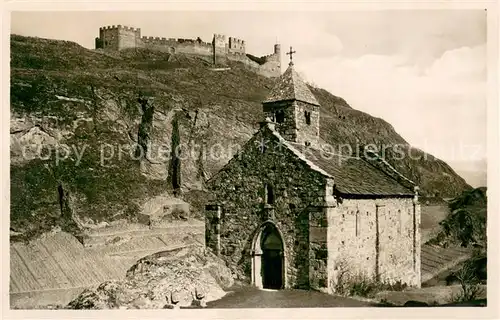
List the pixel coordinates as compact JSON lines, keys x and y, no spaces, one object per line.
{"x":291,"y":52}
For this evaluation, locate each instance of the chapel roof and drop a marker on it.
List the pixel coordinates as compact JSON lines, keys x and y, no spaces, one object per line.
{"x":290,"y":86}
{"x":352,"y":175}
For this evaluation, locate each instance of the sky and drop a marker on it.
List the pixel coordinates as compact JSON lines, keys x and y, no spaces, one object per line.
{"x":422,"y":71}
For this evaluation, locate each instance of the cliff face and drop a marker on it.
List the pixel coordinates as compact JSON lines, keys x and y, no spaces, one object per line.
{"x":78,"y":116}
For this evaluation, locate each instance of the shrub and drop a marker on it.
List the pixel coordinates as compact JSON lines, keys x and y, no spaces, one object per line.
{"x":466,"y":224}
{"x":361,"y":285}
{"x":368,"y":288}
{"x":469,"y":281}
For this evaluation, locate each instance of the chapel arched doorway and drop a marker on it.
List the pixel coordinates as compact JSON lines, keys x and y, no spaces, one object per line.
{"x":269,"y":258}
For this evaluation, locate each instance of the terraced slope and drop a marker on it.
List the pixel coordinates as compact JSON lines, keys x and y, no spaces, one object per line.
{"x":435,"y":260}
{"x":56,"y":267}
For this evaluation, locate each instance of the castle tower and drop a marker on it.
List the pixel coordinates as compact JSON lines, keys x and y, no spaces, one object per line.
{"x":219,"y":47}
{"x":277,"y":49}
{"x":117,"y":37}
{"x":294,"y":109}
{"x":277,"y":58}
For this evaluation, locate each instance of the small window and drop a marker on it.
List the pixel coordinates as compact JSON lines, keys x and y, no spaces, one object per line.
{"x":400,"y":222}
{"x":262,"y":146}
{"x":269,"y":194}
{"x":280,"y":116}
{"x":307,"y":115}
{"x":357,"y":223}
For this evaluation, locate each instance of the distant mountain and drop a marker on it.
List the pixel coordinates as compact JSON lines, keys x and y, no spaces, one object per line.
{"x":474,"y":172}
{"x":88,"y":107}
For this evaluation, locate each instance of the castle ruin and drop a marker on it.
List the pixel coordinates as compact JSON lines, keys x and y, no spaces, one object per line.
{"x":120,"y":37}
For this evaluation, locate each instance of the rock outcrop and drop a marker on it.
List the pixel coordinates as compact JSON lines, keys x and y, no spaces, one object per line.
{"x":185,"y":277}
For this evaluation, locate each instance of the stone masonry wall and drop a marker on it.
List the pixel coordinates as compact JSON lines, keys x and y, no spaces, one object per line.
{"x":127,"y":39}
{"x":109,"y":38}
{"x":219,"y":41}
{"x":118,"y":37}
{"x":236,"y":45}
{"x":353,"y":241}
{"x":213,"y":215}
{"x":295,"y":128}
{"x":318,"y":248}
{"x":240,"y":189}
{"x":271,"y":68}
{"x":397,"y":254}
{"x":174,"y":46}
{"x":307,"y":132}
{"x":287,"y":129}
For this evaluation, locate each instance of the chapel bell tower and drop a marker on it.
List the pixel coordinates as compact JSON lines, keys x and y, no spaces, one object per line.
{"x":293,"y":107}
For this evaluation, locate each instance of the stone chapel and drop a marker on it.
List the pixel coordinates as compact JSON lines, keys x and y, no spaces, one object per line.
{"x":286,"y":214}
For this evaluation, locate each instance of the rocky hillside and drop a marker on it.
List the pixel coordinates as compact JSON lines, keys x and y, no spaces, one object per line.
{"x":78,"y":117}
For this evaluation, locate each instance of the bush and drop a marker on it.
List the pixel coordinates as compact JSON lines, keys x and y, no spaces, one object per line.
{"x":360,"y":285}
{"x":470,"y":282}
{"x":466,"y":224}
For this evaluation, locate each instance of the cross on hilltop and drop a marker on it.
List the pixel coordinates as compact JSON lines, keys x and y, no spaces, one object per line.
{"x":291,"y":55}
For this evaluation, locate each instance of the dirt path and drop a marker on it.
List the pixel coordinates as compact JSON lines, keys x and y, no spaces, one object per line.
{"x":248,"y":297}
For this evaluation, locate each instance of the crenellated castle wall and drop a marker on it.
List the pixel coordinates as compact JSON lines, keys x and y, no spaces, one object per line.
{"x":122,"y":37}
{"x":172,"y":45}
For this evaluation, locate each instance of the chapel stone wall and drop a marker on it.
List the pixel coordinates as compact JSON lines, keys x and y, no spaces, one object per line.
{"x":240,"y":188}
{"x":374,"y":239}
